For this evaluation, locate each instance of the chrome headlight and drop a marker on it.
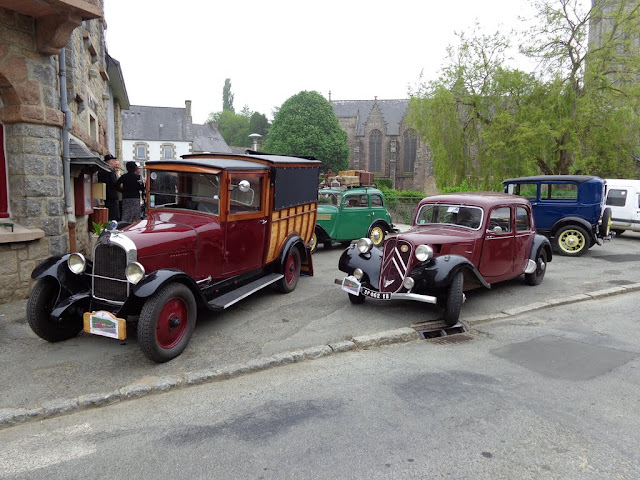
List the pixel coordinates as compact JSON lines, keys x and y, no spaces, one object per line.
{"x":358,"y":273}
{"x":134,"y":272}
{"x":77,"y":263}
{"x":364,"y":245}
{"x":424,"y":252}
{"x":409,"y":283}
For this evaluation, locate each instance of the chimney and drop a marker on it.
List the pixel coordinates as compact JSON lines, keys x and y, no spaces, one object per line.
{"x":188,"y":121}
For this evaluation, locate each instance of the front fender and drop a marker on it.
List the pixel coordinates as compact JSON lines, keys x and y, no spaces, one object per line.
{"x":369,"y":263}
{"x":385,"y":226}
{"x":321,"y":233}
{"x":70,"y":283}
{"x":156,"y":280}
{"x":439,"y":272}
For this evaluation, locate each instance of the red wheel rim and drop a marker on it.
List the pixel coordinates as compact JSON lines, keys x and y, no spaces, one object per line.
{"x":172,"y":322}
{"x":291,"y":269}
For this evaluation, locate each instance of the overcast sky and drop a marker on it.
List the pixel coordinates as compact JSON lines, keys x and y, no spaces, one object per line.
{"x":356,"y":49}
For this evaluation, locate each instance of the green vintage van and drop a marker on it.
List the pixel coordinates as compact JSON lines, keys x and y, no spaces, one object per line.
{"x":345,"y":214}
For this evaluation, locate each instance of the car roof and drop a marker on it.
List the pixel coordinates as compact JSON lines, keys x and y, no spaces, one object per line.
{"x":477,"y":199}
{"x":553,"y":178}
{"x":248,"y":161}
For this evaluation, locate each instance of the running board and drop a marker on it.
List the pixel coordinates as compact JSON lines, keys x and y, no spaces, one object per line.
{"x":228,"y":299}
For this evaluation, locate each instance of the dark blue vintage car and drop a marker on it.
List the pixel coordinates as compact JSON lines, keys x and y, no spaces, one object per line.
{"x":569,"y":209}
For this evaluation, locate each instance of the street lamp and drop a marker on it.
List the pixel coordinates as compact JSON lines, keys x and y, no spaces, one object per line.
{"x":255,"y":137}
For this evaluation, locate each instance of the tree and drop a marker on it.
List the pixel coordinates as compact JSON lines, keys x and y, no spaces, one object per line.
{"x":258,"y":123}
{"x":305,"y":124}
{"x":227,"y":97}
{"x":579,"y":113}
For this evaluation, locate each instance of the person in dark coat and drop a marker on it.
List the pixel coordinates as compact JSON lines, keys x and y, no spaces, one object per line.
{"x":130,"y":184}
{"x":109,"y":179}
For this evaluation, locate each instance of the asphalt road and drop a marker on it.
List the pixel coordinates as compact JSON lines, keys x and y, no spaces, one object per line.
{"x":551,"y":394}
{"x":34,"y":372}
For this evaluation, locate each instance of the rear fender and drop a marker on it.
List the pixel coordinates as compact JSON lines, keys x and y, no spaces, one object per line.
{"x":574,"y":221}
{"x":293,"y":241}
{"x":540,"y":242}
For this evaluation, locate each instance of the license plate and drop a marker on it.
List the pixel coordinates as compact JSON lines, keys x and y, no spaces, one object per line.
{"x":351,"y":285}
{"x":105,"y":324}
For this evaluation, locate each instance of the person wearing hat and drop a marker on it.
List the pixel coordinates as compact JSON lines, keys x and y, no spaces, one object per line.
{"x":109,"y":179}
{"x":130,"y":184}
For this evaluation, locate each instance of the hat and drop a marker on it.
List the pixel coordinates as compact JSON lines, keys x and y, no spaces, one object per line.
{"x":108,"y":157}
{"x":131,"y":166}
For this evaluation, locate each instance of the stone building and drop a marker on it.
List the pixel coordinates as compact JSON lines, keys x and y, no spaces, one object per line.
{"x":47,"y":158}
{"x":166,"y":133}
{"x":381,"y":141}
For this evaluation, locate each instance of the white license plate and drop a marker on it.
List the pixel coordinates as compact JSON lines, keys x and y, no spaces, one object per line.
{"x":373,"y":294}
{"x":351,"y":285}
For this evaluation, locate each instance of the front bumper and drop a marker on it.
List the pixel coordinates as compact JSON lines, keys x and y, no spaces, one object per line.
{"x":350,"y":284}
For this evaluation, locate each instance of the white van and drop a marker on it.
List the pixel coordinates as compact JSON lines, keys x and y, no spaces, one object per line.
{"x":623,"y":196}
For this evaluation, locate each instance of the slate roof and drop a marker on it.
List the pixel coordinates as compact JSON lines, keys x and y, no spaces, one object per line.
{"x":79,"y":154}
{"x":393,"y":112}
{"x":168,"y":124}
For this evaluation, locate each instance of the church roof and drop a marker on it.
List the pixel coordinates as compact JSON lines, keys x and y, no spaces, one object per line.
{"x":393,"y":112}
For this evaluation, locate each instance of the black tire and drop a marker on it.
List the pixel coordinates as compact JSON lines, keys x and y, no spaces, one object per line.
{"x":605,"y":228}
{"x":39,"y":306}
{"x":454,"y":300}
{"x":356,"y":299}
{"x":536,"y":277}
{"x":377,"y":234}
{"x":291,"y":272}
{"x":166,"y":322}
{"x":572,"y":241}
{"x":617,"y":231}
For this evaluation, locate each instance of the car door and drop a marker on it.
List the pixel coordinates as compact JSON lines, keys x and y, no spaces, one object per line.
{"x":246,"y":226}
{"x":498,"y":252}
{"x":378,"y":208}
{"x":354,"y":216}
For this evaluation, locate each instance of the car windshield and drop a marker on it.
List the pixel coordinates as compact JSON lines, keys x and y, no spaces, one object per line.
{"x":191,"y":191}
{"x":458,"y":215}
{"x":328,"y":198}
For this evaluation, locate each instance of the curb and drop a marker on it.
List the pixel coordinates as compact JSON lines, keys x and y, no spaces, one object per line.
{"x":151,"y":385}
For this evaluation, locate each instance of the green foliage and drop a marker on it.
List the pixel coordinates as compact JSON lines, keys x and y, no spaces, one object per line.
{"x":463,"y":187}
{"x":258,"y":123}
{"x":305,"y":124}
{"x":233,"y":127}
{"x":98,"y":228}
{"x":579,"y":113}
{"x":392,"y":193}
{"x":384,"y":183}
{"x":227,"y":97}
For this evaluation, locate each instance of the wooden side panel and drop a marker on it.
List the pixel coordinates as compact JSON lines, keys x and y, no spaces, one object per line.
{"x":298,"y":220}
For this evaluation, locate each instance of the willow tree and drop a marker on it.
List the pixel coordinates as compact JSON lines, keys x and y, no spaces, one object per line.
{"x":579,"y":112}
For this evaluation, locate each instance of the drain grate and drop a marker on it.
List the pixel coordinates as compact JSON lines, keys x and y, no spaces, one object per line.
{"x":459,"y":338}
{"x":439,"y":329}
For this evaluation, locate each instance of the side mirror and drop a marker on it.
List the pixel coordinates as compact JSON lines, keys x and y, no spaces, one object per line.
{"x":244,"y":186}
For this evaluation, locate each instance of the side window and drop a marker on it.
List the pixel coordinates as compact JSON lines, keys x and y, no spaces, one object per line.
{"x":616,"y":197}
{"x":354,"y":201}
{"x":558,"y":191}
{"x":522,"y":220}
{"x":249,"y":201}
{"x":500,"y":217}
{"x":376,"y":201}
{"x":526,"y":190}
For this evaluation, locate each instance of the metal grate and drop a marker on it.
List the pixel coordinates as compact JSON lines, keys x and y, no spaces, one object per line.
{"x":109,"y":281}
{"x":396,"y":264}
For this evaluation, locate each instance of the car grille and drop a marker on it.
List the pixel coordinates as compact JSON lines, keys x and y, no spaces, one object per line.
{"x":109,"y":281}
{"x":395,"y":264}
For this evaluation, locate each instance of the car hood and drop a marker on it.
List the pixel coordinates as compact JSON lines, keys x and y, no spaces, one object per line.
{"x":158,"y":235}
{"x":444,"y":239}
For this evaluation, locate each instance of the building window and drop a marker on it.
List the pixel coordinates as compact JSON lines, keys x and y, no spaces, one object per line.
{"x":168,"y":151}
{"x":375,"y":151}
{"x":4,"y":199}
{"x":409,"y":151}
{"x":141,"y":151}
{"x":93,"y":127}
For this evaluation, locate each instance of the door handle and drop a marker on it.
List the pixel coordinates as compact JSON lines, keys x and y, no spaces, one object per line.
{"x":263,"y":222}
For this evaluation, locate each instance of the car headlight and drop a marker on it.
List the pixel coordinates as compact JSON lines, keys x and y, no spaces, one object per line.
{"x":134,"y":272}
{"x":409,"y":283}
{"x":77,"y":263}
{"x":424,"y":252}
{"x":364,"y":245}
{"x":358,"y":273}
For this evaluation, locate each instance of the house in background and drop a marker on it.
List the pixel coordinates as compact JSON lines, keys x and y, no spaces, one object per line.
{"x":52,"y":138}
{"x":166,"y":133}
{"x":380,"y":141}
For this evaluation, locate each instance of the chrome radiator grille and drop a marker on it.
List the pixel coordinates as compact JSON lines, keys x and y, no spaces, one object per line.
{"x":395,"y":264}
{"x":109,"y":281}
